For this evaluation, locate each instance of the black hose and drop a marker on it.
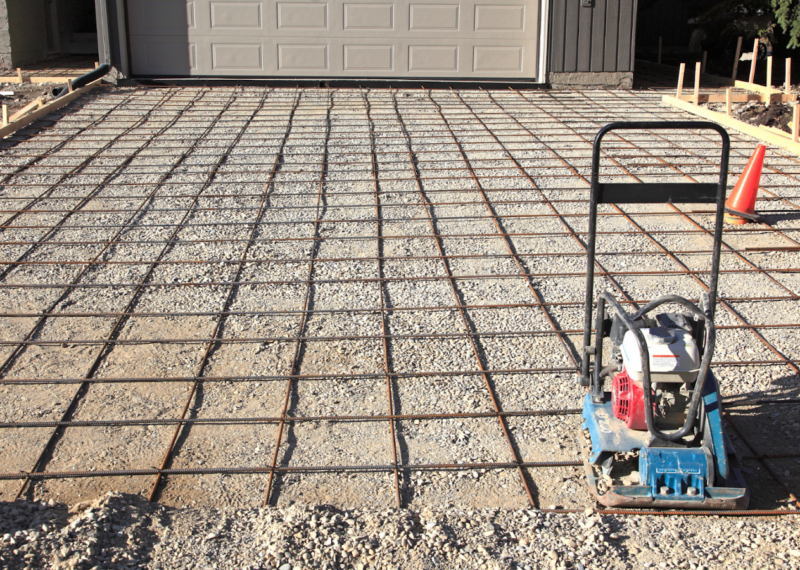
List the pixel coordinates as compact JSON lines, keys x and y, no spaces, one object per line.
{"x":705,"y":363}
{"x":608,"y":370}
{"x":83,"y":80}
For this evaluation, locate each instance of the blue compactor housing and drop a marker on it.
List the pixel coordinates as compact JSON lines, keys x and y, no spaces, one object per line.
{"x":656,"y":439}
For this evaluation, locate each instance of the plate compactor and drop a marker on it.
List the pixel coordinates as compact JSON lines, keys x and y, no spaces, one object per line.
{"x":656,"y":440}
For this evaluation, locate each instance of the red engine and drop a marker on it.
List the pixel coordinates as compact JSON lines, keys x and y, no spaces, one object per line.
{"x":627,"y":401}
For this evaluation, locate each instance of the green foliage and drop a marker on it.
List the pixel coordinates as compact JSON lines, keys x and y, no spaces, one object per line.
{"x":748,"y":18}
{"x":787,"y":16}
{"x":756,"y":18}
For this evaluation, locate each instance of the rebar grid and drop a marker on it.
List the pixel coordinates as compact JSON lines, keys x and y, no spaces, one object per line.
{"x":299,"y":244}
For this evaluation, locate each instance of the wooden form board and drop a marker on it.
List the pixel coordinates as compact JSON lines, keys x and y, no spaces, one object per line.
{"x":765,"y":135}
{"x":758,"y":92}
{"x":26,"y":109}
{"x":34,"y":79}
{"x":46,"y":109}
{"x":738,"y":97}
{"x":756,"y":87}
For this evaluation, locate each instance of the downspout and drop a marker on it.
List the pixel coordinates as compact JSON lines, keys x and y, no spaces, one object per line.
{"x":103,"y":40}
{"x":544,"y":39}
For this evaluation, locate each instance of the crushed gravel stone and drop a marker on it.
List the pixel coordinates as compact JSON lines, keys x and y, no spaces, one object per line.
{"x":378,"y":292}
{"x":124,"y":531}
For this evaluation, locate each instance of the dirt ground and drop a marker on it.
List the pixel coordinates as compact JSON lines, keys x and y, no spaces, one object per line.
{"x":23,"y":94}
{"x":72,"y":66}
{"x":776,"y":115}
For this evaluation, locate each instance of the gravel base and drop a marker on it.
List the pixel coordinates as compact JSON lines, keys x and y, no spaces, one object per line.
{"x":199,"y":165}
{"x":119,"y":531}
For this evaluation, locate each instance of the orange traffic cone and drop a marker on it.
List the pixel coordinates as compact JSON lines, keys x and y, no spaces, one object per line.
{"x":741,"y":204}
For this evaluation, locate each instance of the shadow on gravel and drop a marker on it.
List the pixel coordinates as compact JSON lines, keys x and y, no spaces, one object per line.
{"x":770,"y":218}
{"x":403,"y":457}
{"x":113,"y":531}
{"x":20,"y":516}
{"x":767,"y":438}
{"x":787,"y":386}
{"x":183,"y":435}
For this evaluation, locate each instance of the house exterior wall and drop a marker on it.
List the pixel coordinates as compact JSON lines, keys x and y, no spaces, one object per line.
{"x":590,"y":42}
{"x":28,"y":31}
{"x":595,"y":37}
{"x":5,"y":37}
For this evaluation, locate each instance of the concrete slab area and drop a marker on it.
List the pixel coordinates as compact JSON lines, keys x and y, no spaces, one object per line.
{"x":363,"y":298}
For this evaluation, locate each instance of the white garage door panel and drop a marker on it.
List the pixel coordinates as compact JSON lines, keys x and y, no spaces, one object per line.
{"x":161,"y":17}
{"x":302,"y":16}
{"x":462,"y":21}
{"x":368,"y":17}
{"x":335,"y":38}
{"x":162,"y":56}
{"x":236,"y":15}
{"x":336,"y":57}
{"x":490,"y":18}
{"x":497,"y":59}
{"x":373,"y":58}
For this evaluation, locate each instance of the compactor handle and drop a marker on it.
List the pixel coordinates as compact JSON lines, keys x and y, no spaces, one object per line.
{"x":652,"y":193}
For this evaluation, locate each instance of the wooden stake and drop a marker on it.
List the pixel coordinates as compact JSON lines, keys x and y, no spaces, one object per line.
{"x":788,"y":87}
{"x":697,"y":83}
{"x":796,"y":123}
{"x":69,"y":85}
{"x":769,"y":82}
{"x":19,"y":75}
{"x":5,"y":115}
{"x":736,"y":59}
{"x":753,"y":63}
{"x":659,"y":48}
{"x":705,"y":58}
{"x":681,"y":73}
{"x":728,"y":100}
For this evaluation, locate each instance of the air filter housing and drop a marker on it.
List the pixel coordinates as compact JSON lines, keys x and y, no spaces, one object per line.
{"x":673,"y":352}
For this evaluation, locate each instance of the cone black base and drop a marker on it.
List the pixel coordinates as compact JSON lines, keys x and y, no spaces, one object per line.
{"x":752,"y":217}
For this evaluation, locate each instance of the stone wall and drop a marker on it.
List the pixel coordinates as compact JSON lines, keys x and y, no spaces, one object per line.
{"x":613,"y":79}
{"x":5,"y":38}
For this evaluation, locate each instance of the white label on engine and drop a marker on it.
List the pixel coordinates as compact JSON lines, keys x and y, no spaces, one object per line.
{"x":662,"y":362}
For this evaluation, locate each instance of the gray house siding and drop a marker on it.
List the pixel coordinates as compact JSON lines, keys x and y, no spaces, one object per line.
{"x":595,"y":38}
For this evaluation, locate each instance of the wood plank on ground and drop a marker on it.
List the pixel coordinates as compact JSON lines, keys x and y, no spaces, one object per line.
{"x":762,"y":134}
{"x":46,"y":109}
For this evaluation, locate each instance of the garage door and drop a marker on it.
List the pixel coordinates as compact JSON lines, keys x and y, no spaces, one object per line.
{"x":335,"y":38}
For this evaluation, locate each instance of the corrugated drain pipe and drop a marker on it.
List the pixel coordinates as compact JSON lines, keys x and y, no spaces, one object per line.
{"x":83,"y":80}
